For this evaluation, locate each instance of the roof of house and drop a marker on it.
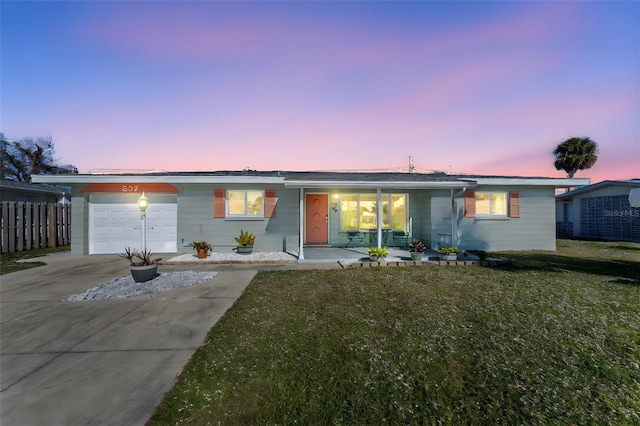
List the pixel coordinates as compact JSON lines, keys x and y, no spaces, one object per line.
{"x":631,"y":183}
{"x":299,"y":179}
{"x":25,"y":187}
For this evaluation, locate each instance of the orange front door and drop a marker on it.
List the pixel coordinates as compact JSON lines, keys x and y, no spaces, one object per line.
{"x":317,"y":228}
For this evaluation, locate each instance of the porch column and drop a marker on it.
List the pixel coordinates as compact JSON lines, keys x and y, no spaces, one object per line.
{"x":301,"y":230}
{"x":454,"y":215}
{"x":379,"y":215}
{"x":454,"y":220}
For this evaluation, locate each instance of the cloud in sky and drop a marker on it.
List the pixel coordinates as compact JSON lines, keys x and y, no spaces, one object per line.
{"x":483,"y":87}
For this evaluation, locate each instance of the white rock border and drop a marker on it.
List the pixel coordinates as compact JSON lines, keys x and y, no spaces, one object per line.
{"x":255,"y":257}
{"x":127,"y":287}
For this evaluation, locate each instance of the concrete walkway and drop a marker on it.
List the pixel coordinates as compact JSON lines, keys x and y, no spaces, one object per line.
{"x":110,"y":362}
{"x":100,"y":362}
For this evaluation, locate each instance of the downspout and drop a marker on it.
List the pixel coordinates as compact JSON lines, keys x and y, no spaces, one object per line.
{"x":301,"y":230}
{"x":454,"y":216}
{"x":379,"y":216}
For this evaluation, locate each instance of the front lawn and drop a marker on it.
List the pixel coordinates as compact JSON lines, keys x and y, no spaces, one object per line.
{"x":9,"y":261}
{"x":553,"y":338}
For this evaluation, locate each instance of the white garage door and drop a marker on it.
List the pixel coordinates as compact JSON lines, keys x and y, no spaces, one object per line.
{"x":112,"y":227}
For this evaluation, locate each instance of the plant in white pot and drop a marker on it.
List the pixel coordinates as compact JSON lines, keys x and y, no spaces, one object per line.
{"x":448,"y":253}
{"x":416,"y":248}
{"x":145,"y":268}
{"x":245,"y":242}
{"x":376,"y":254}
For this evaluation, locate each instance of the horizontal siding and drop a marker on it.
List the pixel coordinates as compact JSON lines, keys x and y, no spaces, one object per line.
{"x":79,"y":226}
{"x":441,"y":219}
{"x":420,"y":212}
{"x":430,"y":210}
{"x":534,"y":230}
{"x":336,"y":237}
{"x":196,"y":221}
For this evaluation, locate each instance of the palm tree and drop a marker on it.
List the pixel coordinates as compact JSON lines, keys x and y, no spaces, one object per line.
{"x":575,"y":154}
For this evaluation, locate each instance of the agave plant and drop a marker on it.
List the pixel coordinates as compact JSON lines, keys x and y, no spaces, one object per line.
{"x":129,"y":254}
{"x":143,"y":256}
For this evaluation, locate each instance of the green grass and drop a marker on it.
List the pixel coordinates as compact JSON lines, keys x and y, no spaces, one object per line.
{"x":552,"y":339}
{"x":8,"y":261}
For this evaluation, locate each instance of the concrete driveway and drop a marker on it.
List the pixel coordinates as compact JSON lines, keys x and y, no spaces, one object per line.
{"x":99,"y":362}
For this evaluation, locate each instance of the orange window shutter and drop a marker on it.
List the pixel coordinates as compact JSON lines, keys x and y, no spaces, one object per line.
{"x":470,"y":204}
{"x":514,"y":204}
{"x":219,"y":196}
{"x":270,"y":201}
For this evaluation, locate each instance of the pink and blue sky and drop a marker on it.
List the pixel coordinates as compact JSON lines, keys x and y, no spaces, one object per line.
{"x":463,"y":87}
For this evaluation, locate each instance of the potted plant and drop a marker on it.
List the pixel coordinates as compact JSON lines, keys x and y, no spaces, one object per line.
{"x":378,"y":253}
{"x":448,"y":253}
{"x":416,"y":248}
{"x":202,"y":248}
{"x":245,"y":242}
{"x":481,"y":254}
{"x":144,"y":269}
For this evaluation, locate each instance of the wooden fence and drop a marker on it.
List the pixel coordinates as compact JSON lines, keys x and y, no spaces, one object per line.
{"x":27,"y":226}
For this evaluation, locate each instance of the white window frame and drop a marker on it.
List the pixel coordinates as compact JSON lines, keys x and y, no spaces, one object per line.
{"x":390,"y":214}
{"x":245,"y":214}
{"x":490,"y":215}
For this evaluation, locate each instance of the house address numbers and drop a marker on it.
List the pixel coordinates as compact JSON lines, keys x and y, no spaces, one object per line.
{"x":131,"y":187}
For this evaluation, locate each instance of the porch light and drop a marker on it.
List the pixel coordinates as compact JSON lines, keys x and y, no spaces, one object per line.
{"x":143,"y":203}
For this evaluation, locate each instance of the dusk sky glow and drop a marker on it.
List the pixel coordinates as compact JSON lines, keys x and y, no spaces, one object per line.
{"x":463,"y":87}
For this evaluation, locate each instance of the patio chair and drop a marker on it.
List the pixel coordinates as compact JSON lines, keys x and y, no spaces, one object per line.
{"x":400,"y":238}
{"x":354,"y":236}
{"x":387,"y":237}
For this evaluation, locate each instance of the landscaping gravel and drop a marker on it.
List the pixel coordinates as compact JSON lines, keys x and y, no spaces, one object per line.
{"x":127,"y":287}
{"x":261,"y":256}
{"x":164,"y":281}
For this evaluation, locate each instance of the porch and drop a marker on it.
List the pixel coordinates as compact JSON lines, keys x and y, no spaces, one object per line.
{"x":355,"y":254}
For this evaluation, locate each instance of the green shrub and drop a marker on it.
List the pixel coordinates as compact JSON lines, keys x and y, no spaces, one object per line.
{"x":201,"y":245}
{"x":245,"y":239}
{"x":449,"y":250}
{"x":378,"y":252}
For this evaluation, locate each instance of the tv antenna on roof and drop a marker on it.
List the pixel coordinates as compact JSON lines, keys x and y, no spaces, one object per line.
{"x":411,"y":166}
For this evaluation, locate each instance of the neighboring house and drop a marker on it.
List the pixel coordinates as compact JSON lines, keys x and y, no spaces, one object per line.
{"x":288,"y":211}
{"x":601,"y":210}
{"x":11,"y":190}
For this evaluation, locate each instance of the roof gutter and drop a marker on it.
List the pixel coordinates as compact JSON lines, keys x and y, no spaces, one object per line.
{"x":556,"y":182}
{"x":81,"y":179}
{"x":377,"y":184}
{"x":35,"y":189}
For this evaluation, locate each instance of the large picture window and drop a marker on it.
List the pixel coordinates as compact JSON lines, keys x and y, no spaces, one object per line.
{"x":359,"y":212}
{"x":245,"y":203}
